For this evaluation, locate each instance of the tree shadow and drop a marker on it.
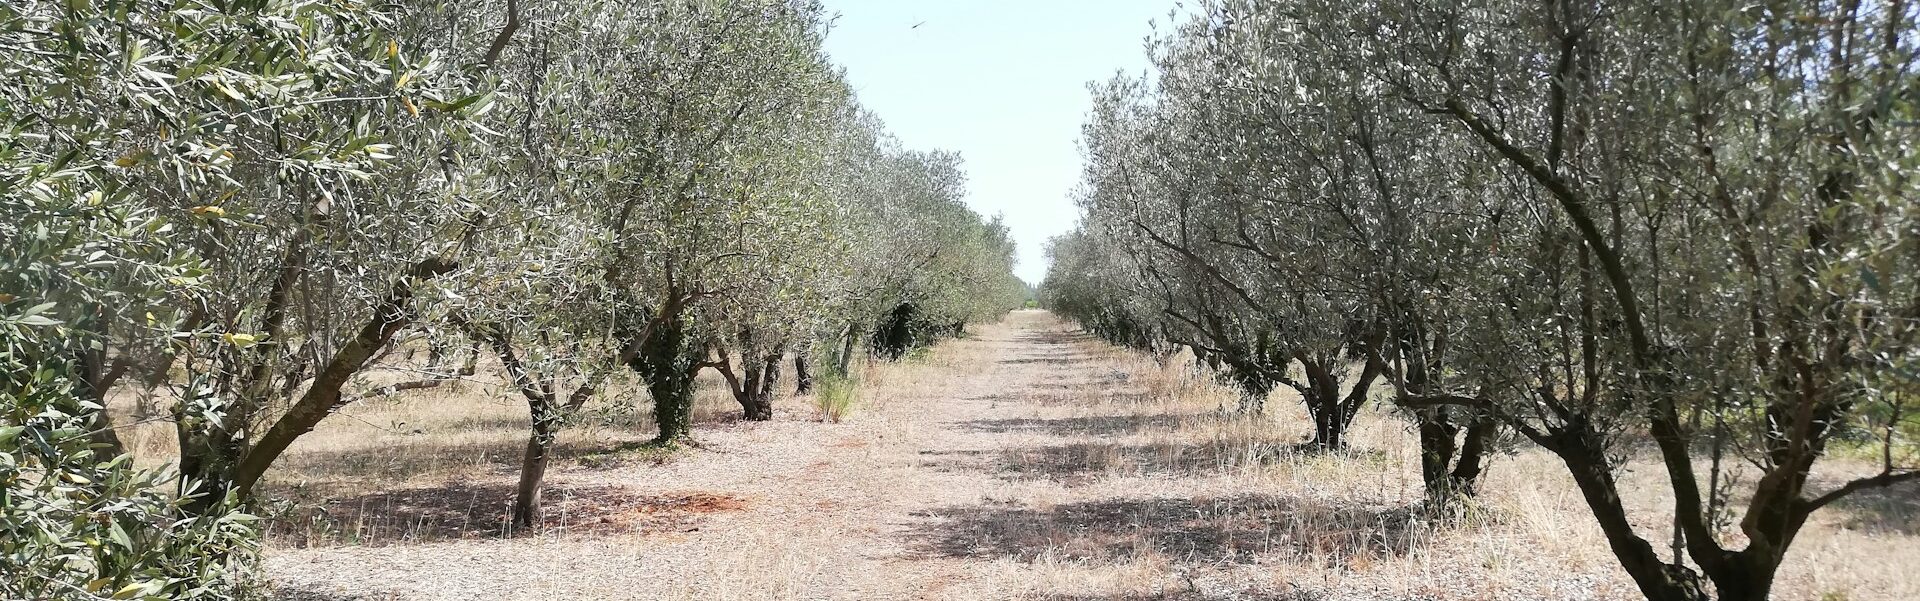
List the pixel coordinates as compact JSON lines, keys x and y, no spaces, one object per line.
{"x":1097,"y":381}
{"x":1295,"y":594}
{"x":1055,"y":348}
{"x":1054,"y":337}
{"x":1891,"y":509}
{"x":1237,"y":529}
{"x":1082,"y":463}
{"x":1099,"y":425}
{"x":1087,"y":379}
{"x":304,"y":593}
{"x":1079,"y":463}
{"x":413,"y":457}
{"x":1063,"y":397}
{"x":466,"y":510}
{"x":957,"y":460}
{"x":1049,"y":359}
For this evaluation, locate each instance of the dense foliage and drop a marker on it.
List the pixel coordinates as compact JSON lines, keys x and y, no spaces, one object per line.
{"x":1684,"y":223}
{"x":233,"y":212}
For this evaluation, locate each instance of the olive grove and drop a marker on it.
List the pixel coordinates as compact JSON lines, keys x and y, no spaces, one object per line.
{"x":246,"y":215}
{"x":1680,"y":231}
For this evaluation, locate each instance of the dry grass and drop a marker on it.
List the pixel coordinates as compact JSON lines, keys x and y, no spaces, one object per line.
{"x":1145,"y":489}
{"x":1022,"y":462}
{"x":438,"y":463}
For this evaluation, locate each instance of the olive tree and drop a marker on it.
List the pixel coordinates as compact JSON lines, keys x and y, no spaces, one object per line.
{"x":672,"y":111}
{"x":1680,"y":222}
{"x":929,"y":263}
{"x":1214,"y":178}
{"x":1720,"y":182}
{"x":186,"y":185}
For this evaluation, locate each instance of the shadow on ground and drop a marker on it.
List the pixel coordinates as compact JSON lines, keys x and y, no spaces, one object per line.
{"x":1055,"y":337}
{"x":1292,"y":595}
{"x":1099,"y":425}
{"x":465,"y":510}
{"x":1091,"y":396}
{"x":1095,"y":382}
{"x":301,"y":593}
{"x":425,"y":456}
{"x":1054,"y":348}
{"x":1188,"y":531}
{"x":1068,"y":358}
{"x":1891,"y":509}
{"x":1079,"y":463}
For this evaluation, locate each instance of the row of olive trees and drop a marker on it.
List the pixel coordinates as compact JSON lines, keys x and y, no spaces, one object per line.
{"x":245,"y":209}
{"x":1689,"y":224}
{"x":707,"y":195}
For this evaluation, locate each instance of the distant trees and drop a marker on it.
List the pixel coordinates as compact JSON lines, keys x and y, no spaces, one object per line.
{"x":244,"y":207}
{"x":923,"y":262}
{"x":1682,"y":222}
{"x":719,"y":185}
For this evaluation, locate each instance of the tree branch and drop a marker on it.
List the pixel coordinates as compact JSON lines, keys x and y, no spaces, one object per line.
{"x":506,"y":35}
{"x":1885,"y":479}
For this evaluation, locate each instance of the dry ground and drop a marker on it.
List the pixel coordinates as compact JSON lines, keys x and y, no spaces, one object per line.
{"x":1026,"y":461}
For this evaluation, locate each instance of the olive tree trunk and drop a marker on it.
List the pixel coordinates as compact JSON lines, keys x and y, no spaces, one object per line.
{"x":667,"y":362}
{"x":1332,"y":412}
{"x":752,"y":386}
{"x":802,"y":376}
{"x":218,"y":457}
{"x":533,"y":466}
{"x":1449,"y":466}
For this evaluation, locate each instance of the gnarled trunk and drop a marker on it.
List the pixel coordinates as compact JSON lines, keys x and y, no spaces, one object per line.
{"x":753,"y":388}
{"x":1254,"y":389}
{"x":769,"y":379}
{"x":1332,"y":413}
{"x":544,"y":415}
{"x":1329,"y":425}
{"x":895,"y":335}
{"x":323,"y":394}
{"x":754,"y":392}
{"x":840,"y":363}
{"x":1586,"y":459}
{"x":803,"y":377}
{"x":666,"y":362}
{"x":1451,"y":467}
{"x":96,"y":378}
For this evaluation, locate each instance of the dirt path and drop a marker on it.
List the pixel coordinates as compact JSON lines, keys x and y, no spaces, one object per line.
{"x":814,"y":511}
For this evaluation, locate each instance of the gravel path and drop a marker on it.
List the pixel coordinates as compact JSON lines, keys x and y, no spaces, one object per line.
{"x":826,"y":511}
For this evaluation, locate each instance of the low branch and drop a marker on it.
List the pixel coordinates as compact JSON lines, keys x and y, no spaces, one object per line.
{"x":1885,"y":479}
{"x":323,"y":397}
{"x":1441,"y":400}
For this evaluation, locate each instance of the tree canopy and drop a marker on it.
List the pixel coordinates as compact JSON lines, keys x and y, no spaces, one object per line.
{"x":244,"y":208}
{"x":1591,"y":224}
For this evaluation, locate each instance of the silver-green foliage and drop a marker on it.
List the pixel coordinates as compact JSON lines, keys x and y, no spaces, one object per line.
{"x":250,"y":204}
{"x":1689,"y":222}
{"x":156,"y":159}
{"x":79,"y":522}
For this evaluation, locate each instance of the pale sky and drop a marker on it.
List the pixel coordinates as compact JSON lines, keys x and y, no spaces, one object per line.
{"x":1004,"y":82}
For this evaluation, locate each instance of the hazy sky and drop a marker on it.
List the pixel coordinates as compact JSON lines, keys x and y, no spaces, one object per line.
{"x":1001,"y":81}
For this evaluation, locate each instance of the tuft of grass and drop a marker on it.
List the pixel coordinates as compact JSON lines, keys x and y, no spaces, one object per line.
{"x":918,"y":354}
{"x":626,"y":453}
{"x":834,"y":396}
